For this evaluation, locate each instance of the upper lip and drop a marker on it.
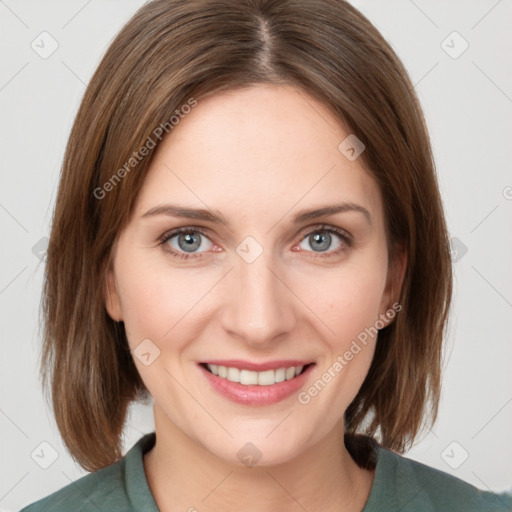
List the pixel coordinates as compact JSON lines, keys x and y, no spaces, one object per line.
{"x":258,"y":367}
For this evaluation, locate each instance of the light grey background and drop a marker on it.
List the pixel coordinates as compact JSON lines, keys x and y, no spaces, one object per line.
{"x":467,"y":100}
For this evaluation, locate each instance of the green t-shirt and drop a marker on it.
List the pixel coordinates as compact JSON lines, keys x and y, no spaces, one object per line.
{"x":400,"y":484}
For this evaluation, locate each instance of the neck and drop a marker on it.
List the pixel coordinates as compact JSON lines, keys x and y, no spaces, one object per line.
{"x":183,"y":475}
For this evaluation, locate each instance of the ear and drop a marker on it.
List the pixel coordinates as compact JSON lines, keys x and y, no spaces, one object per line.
{"x":396,"y":273}
{"x":111,"y":296}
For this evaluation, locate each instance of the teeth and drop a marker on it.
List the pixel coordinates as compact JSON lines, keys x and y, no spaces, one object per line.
{"x":266,"y":378}
{"x":233,"y":374}
{"x":280,"y":375}
{"x":248,"y":377}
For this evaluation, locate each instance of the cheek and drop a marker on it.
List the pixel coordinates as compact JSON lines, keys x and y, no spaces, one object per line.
{"x":153,"y":298}
{"x":159,"y":300}
{"x":165,"y":304}
{"x":358,"y":306}
{"x":348,"y":300}
{"x":348,"y":305}
{"x":158,"y":305}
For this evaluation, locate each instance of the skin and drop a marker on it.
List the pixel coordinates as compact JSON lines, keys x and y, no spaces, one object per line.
{"x":258,"y":156}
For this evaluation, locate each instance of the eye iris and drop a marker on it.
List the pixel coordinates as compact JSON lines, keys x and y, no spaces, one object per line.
{"x":191,"y":241}
{"x":188,"y":242}
{"x":324,"y":240}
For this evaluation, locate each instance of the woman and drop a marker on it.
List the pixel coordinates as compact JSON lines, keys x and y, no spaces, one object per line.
{"x":240,"y":234}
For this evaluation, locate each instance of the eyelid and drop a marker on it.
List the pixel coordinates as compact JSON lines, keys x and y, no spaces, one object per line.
{"x":347,"y":241}
{"x":171,"y":233}
{"x":308,"y":230}
{"x":326,"y":227}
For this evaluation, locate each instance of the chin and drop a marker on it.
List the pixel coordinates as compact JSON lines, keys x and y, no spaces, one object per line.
{"x":262,"y":449}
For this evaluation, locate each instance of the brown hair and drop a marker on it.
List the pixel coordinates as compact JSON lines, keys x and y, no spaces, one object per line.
{"x":175,"y":50}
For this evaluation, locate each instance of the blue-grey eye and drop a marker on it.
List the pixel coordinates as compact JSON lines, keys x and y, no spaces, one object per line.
{"x":321,"y":240}
{"x":189,"y":241}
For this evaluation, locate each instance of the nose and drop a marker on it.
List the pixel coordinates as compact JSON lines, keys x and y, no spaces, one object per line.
{"x":259,"y":307}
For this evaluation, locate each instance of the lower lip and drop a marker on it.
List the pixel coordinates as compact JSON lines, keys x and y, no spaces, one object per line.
{"x":255,"y":394}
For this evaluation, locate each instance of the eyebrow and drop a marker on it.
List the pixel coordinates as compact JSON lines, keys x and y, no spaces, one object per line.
{"x":217,"y":218}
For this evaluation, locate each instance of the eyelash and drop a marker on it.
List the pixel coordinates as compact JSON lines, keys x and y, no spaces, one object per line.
{"x":342,"y":234}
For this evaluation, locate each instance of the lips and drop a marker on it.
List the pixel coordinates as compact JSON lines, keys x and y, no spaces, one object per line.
{"x":240,"y":382}
{"x":258,"y":367}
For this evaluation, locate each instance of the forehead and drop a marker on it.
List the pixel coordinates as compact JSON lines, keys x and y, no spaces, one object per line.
{"x":259,"y":150}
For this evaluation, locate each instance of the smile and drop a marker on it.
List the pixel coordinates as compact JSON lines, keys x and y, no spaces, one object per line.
{"x":256,"y":384}
{"x":248,"y":377}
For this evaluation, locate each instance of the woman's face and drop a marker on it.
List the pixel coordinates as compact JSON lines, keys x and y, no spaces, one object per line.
{"x":255,"y":281}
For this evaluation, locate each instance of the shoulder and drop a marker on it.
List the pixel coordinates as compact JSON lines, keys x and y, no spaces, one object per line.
{"x":90,"y":492}
{"x":114,"y":487}
{"x":416,"y":487}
